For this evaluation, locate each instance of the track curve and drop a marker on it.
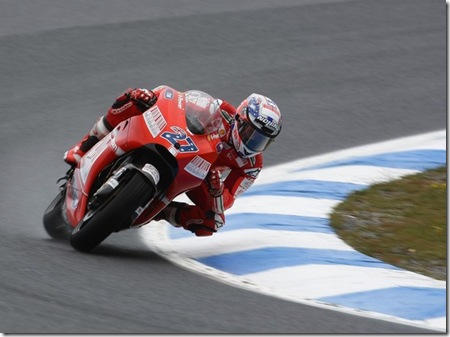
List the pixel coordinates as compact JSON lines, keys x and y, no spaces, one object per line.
{"x":344,"y":73}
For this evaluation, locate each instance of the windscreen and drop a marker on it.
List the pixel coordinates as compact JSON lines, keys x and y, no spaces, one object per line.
{"x":202,"y":112}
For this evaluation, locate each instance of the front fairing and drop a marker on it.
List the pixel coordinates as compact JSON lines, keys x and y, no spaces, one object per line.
{"x":167,"y":124}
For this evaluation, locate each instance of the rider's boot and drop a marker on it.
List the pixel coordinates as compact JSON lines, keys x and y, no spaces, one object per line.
{"x":74,"y":154}
{"x":130,"y":103}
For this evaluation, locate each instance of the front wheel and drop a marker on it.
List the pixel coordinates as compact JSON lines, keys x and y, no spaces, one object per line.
{"x":114,"y":213}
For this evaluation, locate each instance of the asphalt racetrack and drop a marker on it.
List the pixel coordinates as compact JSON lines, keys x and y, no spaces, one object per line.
{"x":344,"y":73}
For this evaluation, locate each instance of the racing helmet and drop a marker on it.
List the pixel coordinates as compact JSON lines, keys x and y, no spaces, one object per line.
{"x":258,"y":122}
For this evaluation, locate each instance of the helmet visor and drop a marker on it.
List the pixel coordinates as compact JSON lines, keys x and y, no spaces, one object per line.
{"x":252,"y":138}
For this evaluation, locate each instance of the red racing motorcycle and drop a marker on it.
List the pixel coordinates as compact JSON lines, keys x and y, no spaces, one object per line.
{"x":134,"y":172}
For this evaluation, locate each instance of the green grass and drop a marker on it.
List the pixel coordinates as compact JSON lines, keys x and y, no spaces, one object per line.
{"x":403,"y":222}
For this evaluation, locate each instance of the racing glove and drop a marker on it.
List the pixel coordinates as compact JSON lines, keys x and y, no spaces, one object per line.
{"x":215,"y":184}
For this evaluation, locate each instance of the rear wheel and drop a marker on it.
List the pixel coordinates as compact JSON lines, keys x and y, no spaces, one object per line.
{"x":54,"y":223}
{"x":113,"y":214}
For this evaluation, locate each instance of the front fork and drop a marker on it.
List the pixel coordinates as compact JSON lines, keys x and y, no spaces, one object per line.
{"x":121,"y":176}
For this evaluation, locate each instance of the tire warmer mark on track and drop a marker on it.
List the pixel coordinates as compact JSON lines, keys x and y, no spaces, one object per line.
{"x":277,"y":239}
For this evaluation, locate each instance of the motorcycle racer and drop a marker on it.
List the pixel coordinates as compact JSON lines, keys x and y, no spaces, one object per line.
{"x":245,"y":133}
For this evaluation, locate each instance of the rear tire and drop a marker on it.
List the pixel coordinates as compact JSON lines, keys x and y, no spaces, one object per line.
{"x":114,"y":213}
{"x":54,"y":223}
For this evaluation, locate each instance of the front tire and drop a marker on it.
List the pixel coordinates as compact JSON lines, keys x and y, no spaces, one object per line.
{"x":114,"y":213}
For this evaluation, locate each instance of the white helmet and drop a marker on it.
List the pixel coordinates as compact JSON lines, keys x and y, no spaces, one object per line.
{"x":258,"y":122}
